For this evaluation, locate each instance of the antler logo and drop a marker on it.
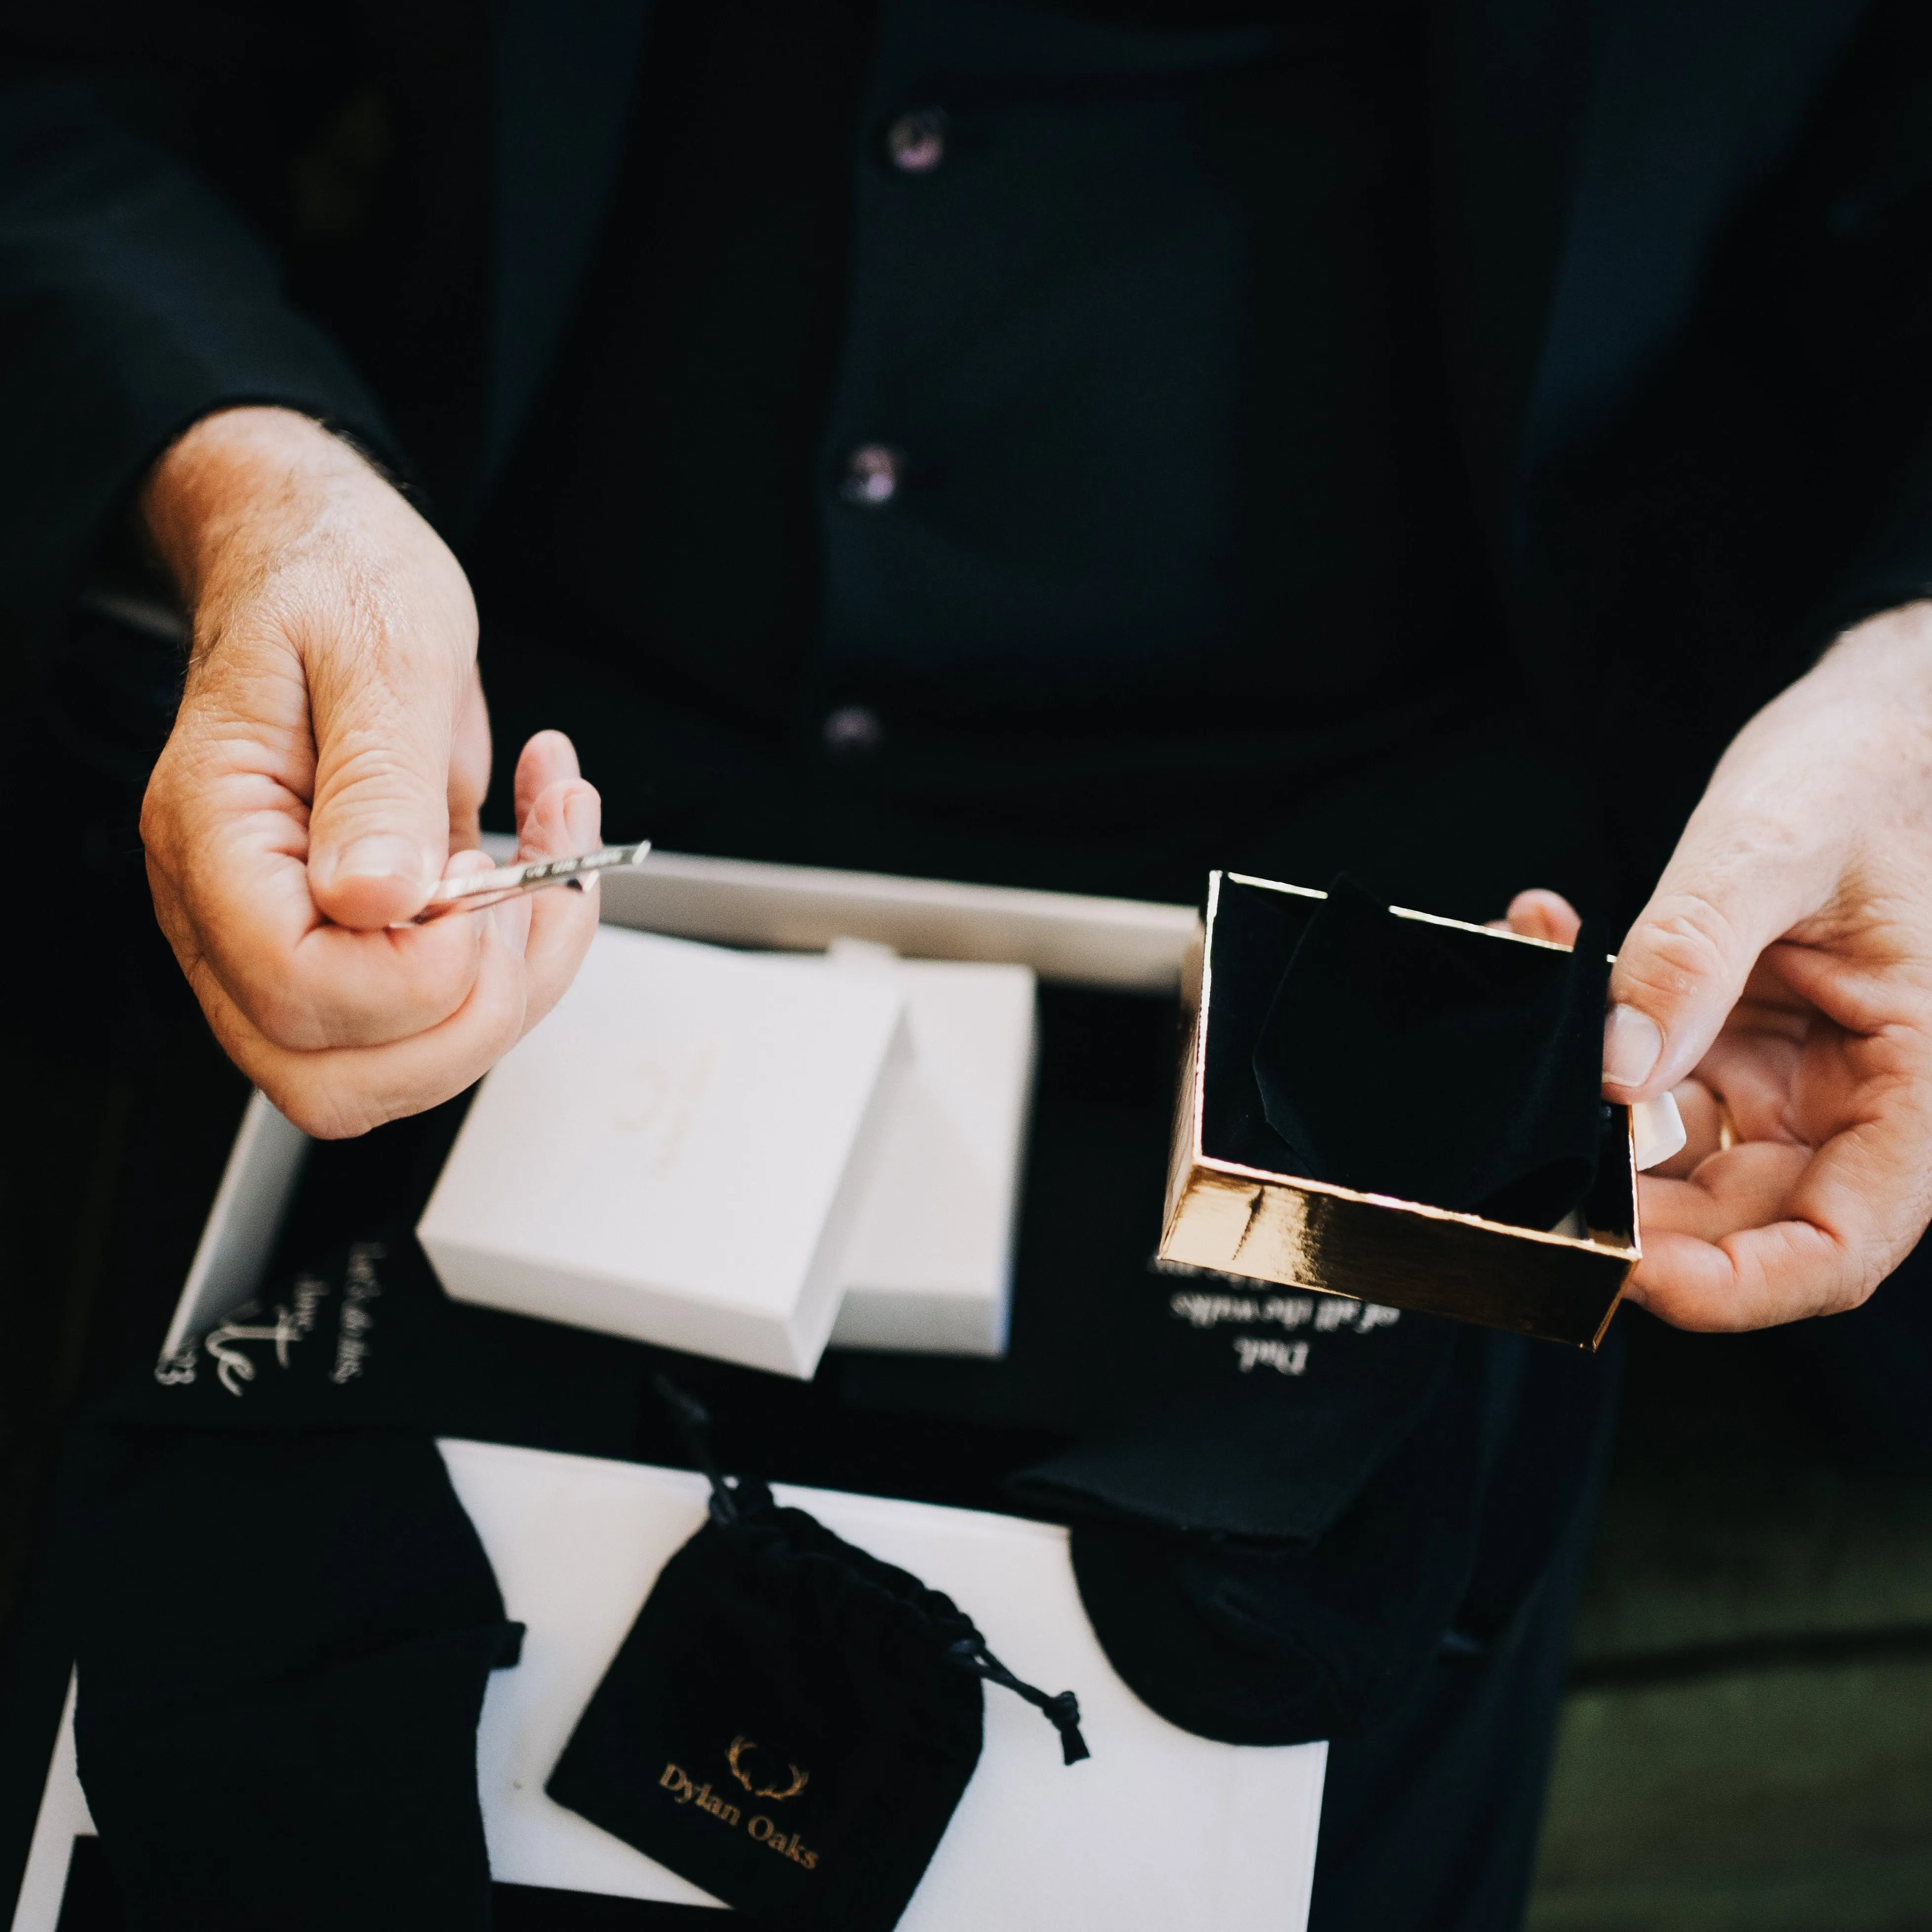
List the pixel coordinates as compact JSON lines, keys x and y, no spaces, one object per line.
{"x":742,"y":1747}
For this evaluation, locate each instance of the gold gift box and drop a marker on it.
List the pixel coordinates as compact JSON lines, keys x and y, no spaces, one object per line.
{"x":1231,"y":1217}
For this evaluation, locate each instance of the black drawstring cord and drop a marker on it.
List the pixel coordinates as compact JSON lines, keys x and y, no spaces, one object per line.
{"x":692,"y":1421}
{"x":1062,"y":1712}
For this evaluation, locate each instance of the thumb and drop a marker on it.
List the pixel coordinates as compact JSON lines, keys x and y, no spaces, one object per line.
{"x":384,"y":720}
{"x":1684,"y":965}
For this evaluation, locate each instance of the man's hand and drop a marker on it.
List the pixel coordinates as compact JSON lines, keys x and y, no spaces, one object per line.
{"x":1780,"y":981}
{"x":331,"y":753}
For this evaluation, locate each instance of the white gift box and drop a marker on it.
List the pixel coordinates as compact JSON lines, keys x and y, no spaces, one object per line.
{"x":672,"y":1078}
{"x":1158,"y":1831}
{"x":929,"y":1266}
{"x":677,"y":1153}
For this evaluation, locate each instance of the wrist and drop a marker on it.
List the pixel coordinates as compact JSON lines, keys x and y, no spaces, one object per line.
{"x":242,"y":480}
{"x":1864,"y":707}
{"x":1836,"y":768}
{"x":248,"y":497}
{"x":1885,"y":664}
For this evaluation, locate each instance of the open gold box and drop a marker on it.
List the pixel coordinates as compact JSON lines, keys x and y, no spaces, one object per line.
{"x":1228,"y":1212}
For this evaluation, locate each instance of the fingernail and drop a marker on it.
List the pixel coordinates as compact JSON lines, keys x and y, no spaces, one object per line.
{"x":1632,"y":1045}
{"x":381,"y":855}
{"x":1656,"y":1132}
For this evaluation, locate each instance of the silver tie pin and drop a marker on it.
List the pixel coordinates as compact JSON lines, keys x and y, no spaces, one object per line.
{"x":478,"y":889}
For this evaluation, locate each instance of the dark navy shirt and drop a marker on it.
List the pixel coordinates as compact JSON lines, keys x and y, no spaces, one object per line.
{"x":991,"y":368}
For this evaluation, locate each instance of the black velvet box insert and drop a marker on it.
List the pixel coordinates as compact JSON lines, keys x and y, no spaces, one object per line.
{"x":1241,"y":1200}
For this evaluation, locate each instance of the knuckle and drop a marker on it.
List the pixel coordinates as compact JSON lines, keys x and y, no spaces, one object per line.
{"x":331,"y":1098}
{"x":152,"y":825}
{"x":500,"y":1024}
{"x":494,"y":1015}
{"x":320,"y":1114}
{"x":335,"y":1097}
{"x":1683,"y":941}
{"x":161,"y":801}
{"x":377,"y":771}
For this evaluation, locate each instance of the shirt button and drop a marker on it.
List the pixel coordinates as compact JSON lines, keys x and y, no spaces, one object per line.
{"x":852,"y":729}
{"x":871,"y":475}
{"x":915,"y":141}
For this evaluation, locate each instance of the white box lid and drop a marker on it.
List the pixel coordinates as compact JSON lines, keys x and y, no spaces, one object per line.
{"x":684,"y":1119}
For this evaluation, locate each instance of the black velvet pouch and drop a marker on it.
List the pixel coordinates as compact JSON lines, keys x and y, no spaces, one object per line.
{"x":789,"y":1722}
{"x":1436,"y":1064}
{"x":282,"y":1644}
{"x":285,"y":1624}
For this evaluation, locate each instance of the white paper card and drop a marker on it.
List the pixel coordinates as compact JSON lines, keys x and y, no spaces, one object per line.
{"x":676,"y":1153}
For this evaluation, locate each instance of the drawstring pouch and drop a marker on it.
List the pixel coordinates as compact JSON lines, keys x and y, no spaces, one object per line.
{"x":789,"y":1722}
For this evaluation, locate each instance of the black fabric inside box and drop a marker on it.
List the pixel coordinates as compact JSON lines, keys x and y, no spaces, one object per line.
{"x":1374,"y":1006}
{"x":1391,"y":1087}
